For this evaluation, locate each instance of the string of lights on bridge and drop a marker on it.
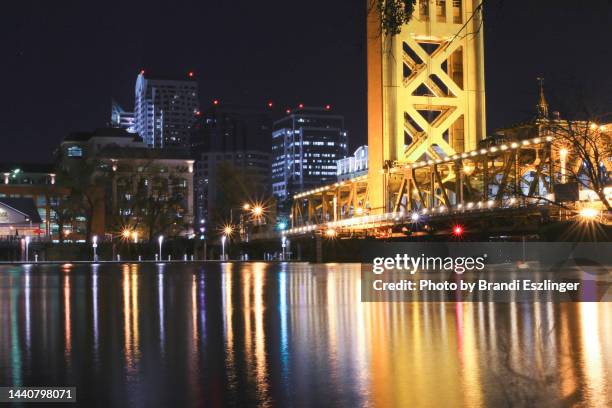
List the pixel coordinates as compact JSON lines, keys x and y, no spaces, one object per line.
{"x":416,"y":216}
{"x":473,"y":153}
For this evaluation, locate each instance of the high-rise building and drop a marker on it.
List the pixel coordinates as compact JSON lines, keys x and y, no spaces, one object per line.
{"x":230,"y":141}
{"x":120,"y":118}
{"x":306,"y":145}
{"x":165,"y":109}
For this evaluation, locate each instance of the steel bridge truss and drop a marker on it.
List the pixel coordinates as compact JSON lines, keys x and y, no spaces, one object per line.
{"x":511,"y":176}
{"x":341,"y":200}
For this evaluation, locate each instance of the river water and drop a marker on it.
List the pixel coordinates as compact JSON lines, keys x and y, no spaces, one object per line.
{"x":238,"y":334}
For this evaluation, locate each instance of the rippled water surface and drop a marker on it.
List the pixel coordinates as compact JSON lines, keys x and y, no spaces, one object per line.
{"x":270,"y":334}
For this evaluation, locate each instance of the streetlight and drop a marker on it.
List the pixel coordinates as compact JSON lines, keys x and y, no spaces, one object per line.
{"x":330,"y":233}
{"x":27,"y":246}
{"x":246,"y":207}
{"x":94,"y":244}
{"x":258,"y":210}
{"x":284,"y":245}
{"x":160,"y":240}
{"x":588,"y":214}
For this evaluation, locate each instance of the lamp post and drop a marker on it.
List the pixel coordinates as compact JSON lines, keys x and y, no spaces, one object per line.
{"x":223,"y":238}
{"x":284,"y":245}
{"x":27,"y":246}
{"x":160,"y":240}
{"x":241,"y":224}
{"x":94,"y":244}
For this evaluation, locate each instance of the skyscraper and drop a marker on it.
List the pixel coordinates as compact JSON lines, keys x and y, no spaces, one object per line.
{"x":306,"y":145}
{"x":165,"y":109}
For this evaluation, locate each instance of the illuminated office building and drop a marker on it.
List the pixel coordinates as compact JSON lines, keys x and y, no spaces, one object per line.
{"x":165,"y":109}
{"x":306,"y":145}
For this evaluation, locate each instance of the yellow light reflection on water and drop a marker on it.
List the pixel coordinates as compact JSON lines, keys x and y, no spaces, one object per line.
{"x":260,"y":336}
{"x":567,"y":373}
{"x":134,"y":311}
{"x":127,"y":331}
{"x":67,"y":320}
{"x":131,"y":330}
{"x":469,"y":357}
{"x":253,"y":281}
{"x":591,"y":361}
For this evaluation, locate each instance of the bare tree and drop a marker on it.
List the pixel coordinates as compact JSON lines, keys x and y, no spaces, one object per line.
{"x":83,"y":179}
{"x":66,"y":210}
{"x":585,"y":151}
{"x":152,"y":200}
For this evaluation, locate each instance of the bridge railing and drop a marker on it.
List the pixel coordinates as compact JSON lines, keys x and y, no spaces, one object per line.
{"x":522,"y":171}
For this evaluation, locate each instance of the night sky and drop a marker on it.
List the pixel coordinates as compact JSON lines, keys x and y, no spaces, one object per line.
{"x":63,"y":61}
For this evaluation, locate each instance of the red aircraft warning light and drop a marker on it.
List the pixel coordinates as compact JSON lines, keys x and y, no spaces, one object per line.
{"x":301,"y":106}
{"x":215,"y":102}
{"x":190,"y":74}
{"x":270,"y":104}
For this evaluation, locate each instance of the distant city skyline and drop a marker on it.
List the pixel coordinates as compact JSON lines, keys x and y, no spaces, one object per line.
{"x":64,"y":64}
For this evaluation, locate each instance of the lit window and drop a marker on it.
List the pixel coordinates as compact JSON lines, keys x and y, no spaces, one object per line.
{"x":75,"y":151}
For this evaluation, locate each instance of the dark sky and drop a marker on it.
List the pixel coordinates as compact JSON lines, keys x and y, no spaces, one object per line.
{"x":63,"y":61}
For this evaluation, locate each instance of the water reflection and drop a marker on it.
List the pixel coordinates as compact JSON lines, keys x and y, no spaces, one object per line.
{"x":67,"y":316}
{"x":160,"y":304}
{"x":259,"y":334}
{"x":95,"y":308}
{"x":15,"y":350}
{"x":228,"y":326}
{"x":131,"y":332}
{"x":28,"y":303}
{"x":591,"y":363}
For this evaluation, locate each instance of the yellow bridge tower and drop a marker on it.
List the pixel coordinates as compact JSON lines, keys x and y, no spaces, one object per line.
{"x":426,"y":94}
